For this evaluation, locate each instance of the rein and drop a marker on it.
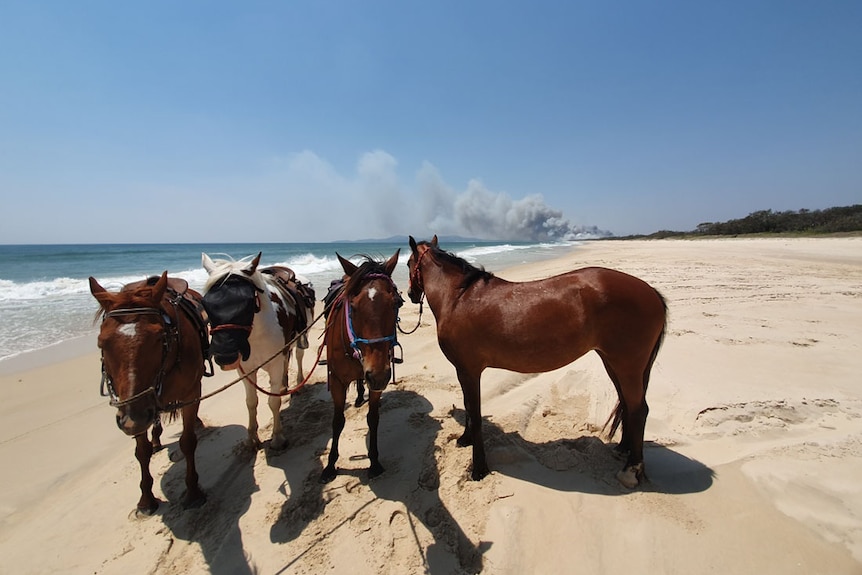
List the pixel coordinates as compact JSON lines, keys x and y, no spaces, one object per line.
{"x":244,"y":376}
{"x":416,"y":276}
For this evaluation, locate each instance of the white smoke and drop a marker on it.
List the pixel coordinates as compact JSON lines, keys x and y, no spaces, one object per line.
{"x":374,"y":202}
{"x":479,"y":212}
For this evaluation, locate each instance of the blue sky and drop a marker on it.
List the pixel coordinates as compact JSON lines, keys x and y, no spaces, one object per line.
{"x":197,"y":121}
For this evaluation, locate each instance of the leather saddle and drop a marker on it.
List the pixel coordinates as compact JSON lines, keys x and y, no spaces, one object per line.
{"x":300,"y":293}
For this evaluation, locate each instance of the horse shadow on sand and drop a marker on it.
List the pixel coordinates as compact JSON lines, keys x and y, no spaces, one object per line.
{"x":227,"y":478}
{"x":407,"y":436}
{"x":226,"y":465}
{"x":587,"y":464}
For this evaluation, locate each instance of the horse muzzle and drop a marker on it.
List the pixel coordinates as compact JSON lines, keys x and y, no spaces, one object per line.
{"x":378,"y":380}
{"x":227,"y":362}
{"x":228,"y":351}
{"x":415,"y":295}
{"x":136,"y":422}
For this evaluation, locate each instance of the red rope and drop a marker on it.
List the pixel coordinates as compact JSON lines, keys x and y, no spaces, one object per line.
{"x":286,"y":391}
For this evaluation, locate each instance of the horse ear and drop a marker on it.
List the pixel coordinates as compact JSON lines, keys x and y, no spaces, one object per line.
{"x":412,"y":244}
{"x":102,"y":295}
{"x":392,"y":262}
{"x":95,"y":288}
{"x":348,"y":266}
{"x":253,"y":266}
{"x":434,"y":241}
{"x":160,"y":287}
{"x":207,"y":262}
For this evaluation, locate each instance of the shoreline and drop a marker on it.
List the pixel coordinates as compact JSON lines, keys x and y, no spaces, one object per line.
{"x":754,"y":443}
{"x":59,"y":352}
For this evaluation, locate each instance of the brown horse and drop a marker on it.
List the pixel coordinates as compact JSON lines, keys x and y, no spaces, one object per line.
{"x":154,"y":344}
{"x":537,"y":326}
{"x":360,"y":338}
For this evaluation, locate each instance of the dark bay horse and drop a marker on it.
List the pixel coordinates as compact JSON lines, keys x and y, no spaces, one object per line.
{"x":360,"y":338}
{"x":256,"y":314}
{"x":538,"y":326}
{"x":154,"y":345}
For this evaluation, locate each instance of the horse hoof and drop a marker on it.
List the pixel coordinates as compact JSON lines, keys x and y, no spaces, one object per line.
{"x":195,"y":502}
{"x":252,"y":443}
{"x":277,"y":446}
{"x":145,"y":511}
{"x":327,"y":476}
{"x":464,"y":441}
{"x":480,"y":474}
{"x":359,"y":402}
{"x":375,"y":471}
{"x":630,"y":476}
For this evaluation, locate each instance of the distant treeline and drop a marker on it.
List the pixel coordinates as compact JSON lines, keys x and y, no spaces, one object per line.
{"x":828,"y":221}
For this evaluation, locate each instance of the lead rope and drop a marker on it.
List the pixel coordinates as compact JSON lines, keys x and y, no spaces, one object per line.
{"x":244,"y":376}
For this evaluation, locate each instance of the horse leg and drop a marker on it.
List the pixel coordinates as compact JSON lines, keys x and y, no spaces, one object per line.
{"x":338,"y":391}
{"x":143,"y":453}
{"x":251,"y":404}
{"x":473,"y":425}
{"x":278,"y":384}
{"x":360,"y":393}
{"x":624,"y":446}
{"x":373,"y":419}
{"x":188,"y":444}
{"x":300,"y":373}
{"x":157,"y":433}
{"x":634,"y":423}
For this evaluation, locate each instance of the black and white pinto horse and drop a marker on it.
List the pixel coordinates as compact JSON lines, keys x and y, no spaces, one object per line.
{"x":255,"y":314}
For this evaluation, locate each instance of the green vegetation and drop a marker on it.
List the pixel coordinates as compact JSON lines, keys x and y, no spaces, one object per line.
{"x":803,"y":222}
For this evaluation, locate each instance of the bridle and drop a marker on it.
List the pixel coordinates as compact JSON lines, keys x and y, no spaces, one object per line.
{"x":355,"y":340}
{"x":416,"y":275}
{"x":170,"y":334}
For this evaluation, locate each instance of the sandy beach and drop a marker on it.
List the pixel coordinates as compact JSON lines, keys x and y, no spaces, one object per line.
{"x":753,"y":454}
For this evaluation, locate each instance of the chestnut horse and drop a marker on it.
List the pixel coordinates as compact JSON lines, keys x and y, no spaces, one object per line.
{"x":256,"y":314}
{"x":360,"y":338}
{"x":538,"y":326}
{"x":154,"y":345}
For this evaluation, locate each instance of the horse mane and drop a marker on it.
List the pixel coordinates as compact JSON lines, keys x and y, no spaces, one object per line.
{"x":471,"y":273}
{"x":224,"y":268}
{"x":368,"y":266}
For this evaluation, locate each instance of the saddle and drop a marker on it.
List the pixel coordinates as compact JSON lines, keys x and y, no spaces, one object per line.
{"x":190,"y":302}
{"x":301,"y":293}
{"x":335,"y":287}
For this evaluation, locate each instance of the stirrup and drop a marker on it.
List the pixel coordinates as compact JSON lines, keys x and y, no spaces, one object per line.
{"x":400,"y":357}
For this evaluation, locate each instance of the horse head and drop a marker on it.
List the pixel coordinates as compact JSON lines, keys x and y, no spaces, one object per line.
{"x":133,"y":336}
{"x":416,"y":288}
{"x":371,"y":308}
{"x":231,"y":300}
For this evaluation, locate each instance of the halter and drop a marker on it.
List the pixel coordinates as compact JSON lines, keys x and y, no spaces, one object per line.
{"x":170,"y":333}
{"x":416,"y":275}
{"x":351,"y":333}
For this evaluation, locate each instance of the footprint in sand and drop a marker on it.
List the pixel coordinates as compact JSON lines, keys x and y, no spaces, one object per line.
{"x":402,"y":546}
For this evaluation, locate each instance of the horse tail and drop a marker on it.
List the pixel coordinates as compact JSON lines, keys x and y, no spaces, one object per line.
{"x":658,"y":342}
{"x":616,"y":416}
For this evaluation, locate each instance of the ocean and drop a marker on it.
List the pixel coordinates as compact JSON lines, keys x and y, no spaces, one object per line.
{"x":45,"y":297}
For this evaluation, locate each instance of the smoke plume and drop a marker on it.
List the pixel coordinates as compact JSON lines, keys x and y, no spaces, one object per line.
{"x":479,"y":212}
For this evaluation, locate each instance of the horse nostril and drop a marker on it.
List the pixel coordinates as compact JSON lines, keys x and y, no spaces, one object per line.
{"x":120,"y":420}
